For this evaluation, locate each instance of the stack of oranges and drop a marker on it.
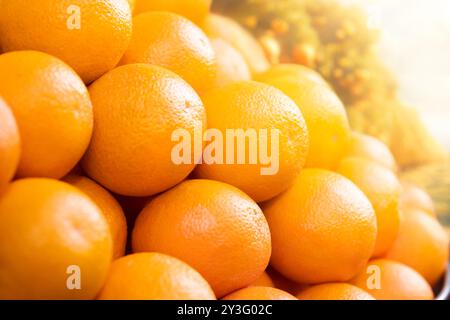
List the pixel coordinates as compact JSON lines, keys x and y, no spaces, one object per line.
{"x":93,"y":205}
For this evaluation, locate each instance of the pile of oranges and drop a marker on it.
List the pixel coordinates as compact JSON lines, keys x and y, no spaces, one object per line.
{"x":92,"y":205}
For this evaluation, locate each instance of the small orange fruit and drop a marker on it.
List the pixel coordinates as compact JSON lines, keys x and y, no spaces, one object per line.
{"x":171,"y":41}
{"x":334,"y":291}
{"x":9,"y":145}
{"x":263,"y":281}
{"x":260,"y":293}
{"x":382,"y":188}
{"x":267,"y":119}
{"x":323,"y":228}
{"x":389,"y":280}
{"x":413,"y":197}
{"x":154,"y":276}
{"x":294,"y":71}
{"x":90,"y":36}
{"x":137,"y":108}
{"x":111,"y":209}
{"x":51,"y":232}
{"x":422,"y":244}
{"x":52,"y":109}
{"x":213,"y":227}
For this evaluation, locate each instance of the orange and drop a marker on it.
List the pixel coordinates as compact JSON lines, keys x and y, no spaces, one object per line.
{"x":334,"y":291}
{"x":260,"y":293}
{"x":231,"y":66}
{"x":137,"y":108}
{"x":295,"y":71}
{"x":422,"y":244}
{"x":213,"y":227}
{"x":110,"y":208}
{"x":50,"y":234}
{"x":413,"y":197}
{"x":227,"y":29}
{"x":195,"y":10}
{"x":370,"y":148}
{"x":52,"y":109}
{"x":171,"y":41}
{"x":389,"y":280}
{"x":132,"y":4}
{"x":9,"y":145}
{"x":90,"y":36}
{"x":263,"y":281}
{"x":269,"y":120}
{"x":323,"y":228}
{"x":154,"y":276}
{"x":382,"y":188}
{"x":325,"y":117}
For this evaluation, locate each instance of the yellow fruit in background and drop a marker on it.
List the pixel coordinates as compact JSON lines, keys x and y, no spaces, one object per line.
{"x":413,"y":197}
{"x":50,"y":231}
{"x":266,"y":113}
{"x":52,"y":109}
{"x":294,"y":71}
{"x":9,"y":145}
{"x":154,"y":276}
{"x":382,"y":188}
{"x":323,"y":228}
{"x":132,"y":4}
{"x":110,"y":208}
{"x":263,"y":281}
{"x":260,"y":293}
{"x":90,"y":36}
{"x":137,"y":108}
{"x":334,"y":291}
{"x":171,"y":41}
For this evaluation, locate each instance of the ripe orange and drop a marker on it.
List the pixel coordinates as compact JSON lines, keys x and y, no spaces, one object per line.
{"x":154,"y":276}
{"x":422,"y":244}
{"x":413,"y":197}
{"x":171,"y":41}
{"x":260,"y":293}
{"x":263,"y":281}
{"x":137,"y":108}
{"x":294,"y":71}
{"x":257,"y":109}
{"x":52,"y":109}
{"x":389,"y":280}
{"x":90,"y":36}
{"x":325,"y":117}
{"x":382,"y":188}
{"x":110,"y":208}
{"x":214,"y":227}
{"x":323,"y":228}
{"x":231,"y":66}
{"x":9,"y":145}
{"x":49,"y":231}
{"x":334,"y":291}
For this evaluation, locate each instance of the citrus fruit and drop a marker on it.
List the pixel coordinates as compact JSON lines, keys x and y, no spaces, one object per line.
{"x":413,"y":197}
{"x":194,"y":10}
{"x":90,"y":36}
{"x":325,"y":117}
{"x":323,"y":228}
{"x":382,"y":188}
{"x":214,"y":227}
{"x":154,"y":276}
{"x":110,"y":208}
{"x":231,"y":66}
{"x":260,"y":293}
{"x":294,"y":71}
{"x":137,"y":108}
{"x":422,"y":244}
{"x":227,"y":29}
{"x":50,"y":232}
{"x":269,"y":123}
{"x":389,"y":280}
{"x":334,"y":291}
{"x":52,"y":109}
{"x":9,"y":145}
{"x":171,"y":41}
{"x":263,"y":281}
{"x":285,"y":284}
{"x":132,"y":4}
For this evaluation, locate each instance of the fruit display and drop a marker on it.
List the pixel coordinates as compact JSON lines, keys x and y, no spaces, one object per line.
{"x":208,"y":150}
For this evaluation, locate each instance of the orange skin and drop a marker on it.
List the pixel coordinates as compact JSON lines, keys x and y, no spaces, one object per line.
{"x":52,"y":109}
{"x":130,"y":151}
{"x":9,"y":145}
{"x":91,"y":50}
{"x":413,"y":197}
{"x":323,"y":228}
{"x":171,"y":41}
{"x":285,"y":284}
{"x":396,"y":282}
{"x":259,"y":293}
{"x":382,"y":188}
{"x":213,"y":227}
{"x":294,"y":71}
{"x":154,"y":276}
{"x":334,"y":291}
{"x":422,"y":244}
{"x":263,"y":281}
{"x":45,"y":227}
